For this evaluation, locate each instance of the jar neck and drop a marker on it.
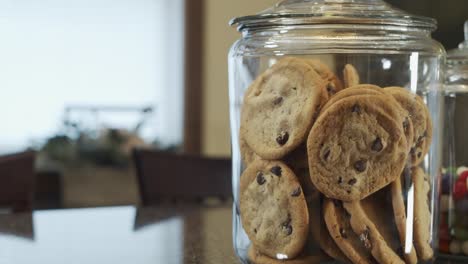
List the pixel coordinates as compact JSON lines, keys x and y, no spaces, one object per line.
{"x":338,"y":30}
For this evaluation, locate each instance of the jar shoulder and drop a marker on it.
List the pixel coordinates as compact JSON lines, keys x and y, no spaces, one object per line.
{"x":281,"y":42}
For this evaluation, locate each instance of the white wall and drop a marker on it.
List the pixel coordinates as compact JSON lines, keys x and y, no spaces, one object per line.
{"x":54,"y":53}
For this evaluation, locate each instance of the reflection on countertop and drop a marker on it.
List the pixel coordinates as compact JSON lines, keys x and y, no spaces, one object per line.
{"x":169,"y":235}
{"x":18,"y":225}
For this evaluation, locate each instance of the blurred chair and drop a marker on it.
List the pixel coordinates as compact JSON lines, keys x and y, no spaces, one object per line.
{"x":165,"y":176}
{"x":17,"y":179}
{"x":49,"y":190}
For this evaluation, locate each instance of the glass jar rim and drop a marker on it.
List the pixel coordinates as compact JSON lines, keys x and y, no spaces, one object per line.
{"x":460,"y":55}
{"x":310,"y":12}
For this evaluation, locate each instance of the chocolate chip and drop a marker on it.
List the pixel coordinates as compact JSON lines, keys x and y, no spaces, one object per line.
{"x":356,"y":109}
{"x":326,"y":155}
{"x":276,"y":170}
{"x":421,"y":139}
{"x":352,"y":181}
{"x":255,"y":230}
{"x":343,"y":233}
{"x":406,"y":124}
{"x":282,"y":138}
{"x":260,"y":179}
{"x":364,"y":237}
{"x":288,"y":229}
{"x":340,"y":180}
{"x":360,"y":165}
{"x":400,"y":252}
{"x":331,"y":88}
{"x":296,"y":192}
{"x":419,"y":154}
{"x":377,"y":145}
{"x":286,"y":226}
{"x":294,"y":88}
{"x":278,"y":100}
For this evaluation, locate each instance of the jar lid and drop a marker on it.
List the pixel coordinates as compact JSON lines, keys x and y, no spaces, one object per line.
{"x":460,"y":55}
{"x":309,"y":12}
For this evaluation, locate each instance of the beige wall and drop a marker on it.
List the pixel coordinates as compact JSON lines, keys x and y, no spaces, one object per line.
{"x":218,"y":38}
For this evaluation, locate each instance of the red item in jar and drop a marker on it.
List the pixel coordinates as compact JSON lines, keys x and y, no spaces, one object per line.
{"x":459,"y":190}
{"x":467,"y":184}
{"x":444,"y":233}
{"x":444,"y":246}
{"x":443,"y":219}
{"x":463,"y":176}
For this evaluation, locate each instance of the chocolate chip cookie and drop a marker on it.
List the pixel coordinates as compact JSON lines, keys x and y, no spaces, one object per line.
{"x":338,"y":224}
{"x":280,"y":106}
{"x":350,"y":76}
{"x":422,"y":214}
{"x":363,"y":89}
{"x":319,"y":230}
{"x":355,"y":148}
{"x":247,"y":154}
{"x":319,"y":235}
{"x":392,"y":107}
{"x":419,"y":115}
{"x":399,"y":211}
{"x":334,"y":84}
{"x":379,"y":209}
{"x":369,"y":233}
{"x":273,"y":209}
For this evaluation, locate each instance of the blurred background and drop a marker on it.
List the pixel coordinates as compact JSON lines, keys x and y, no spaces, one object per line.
{"x":85,"y":82}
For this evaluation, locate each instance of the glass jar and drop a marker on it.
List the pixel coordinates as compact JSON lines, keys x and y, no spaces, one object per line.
{"x":336,"y":117}
{"x":453,"y":223}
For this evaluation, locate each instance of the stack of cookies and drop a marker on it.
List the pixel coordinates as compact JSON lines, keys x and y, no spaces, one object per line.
{"x":329,"y":163}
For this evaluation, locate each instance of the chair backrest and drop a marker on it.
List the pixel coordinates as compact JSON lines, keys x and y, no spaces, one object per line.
{"x":48,"y":192}
{"x":17,"y":180}
{"x":166,"y":176}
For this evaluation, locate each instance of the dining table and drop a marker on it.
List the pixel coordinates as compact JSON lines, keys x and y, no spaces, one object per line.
{"x":181,"y":234}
